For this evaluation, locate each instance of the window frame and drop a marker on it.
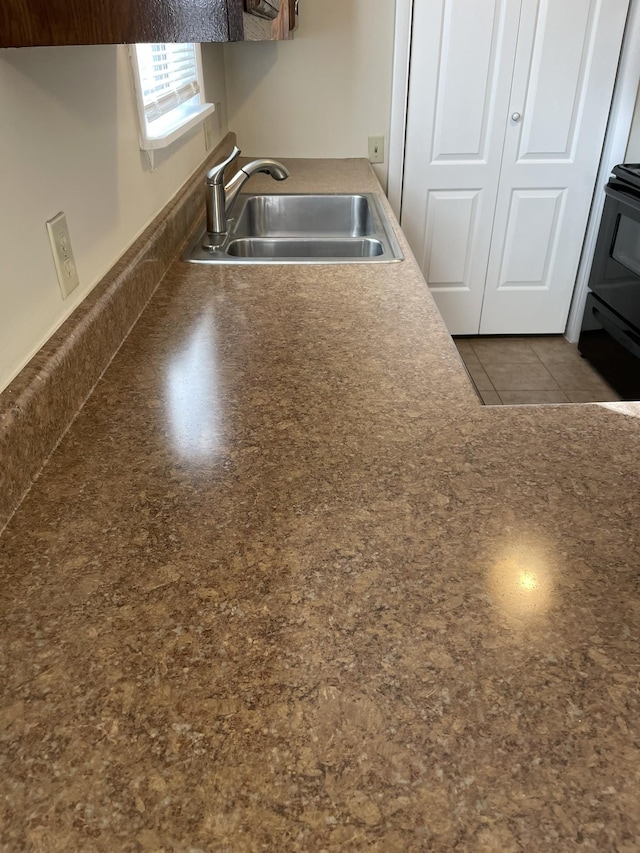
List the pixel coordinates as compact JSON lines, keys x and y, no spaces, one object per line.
{"x":173,"y":123}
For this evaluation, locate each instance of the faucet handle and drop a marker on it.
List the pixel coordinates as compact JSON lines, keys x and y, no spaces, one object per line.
{"x":216,"y":174}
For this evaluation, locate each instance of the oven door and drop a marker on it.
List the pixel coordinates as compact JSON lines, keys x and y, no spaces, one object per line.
{"x":615,"y":274}
{"x":612,"y":346}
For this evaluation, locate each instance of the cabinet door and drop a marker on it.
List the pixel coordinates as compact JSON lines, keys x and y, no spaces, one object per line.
{"x":279,"y":28}
{"x":462,"y":59}
{"x":564,"y":74}
{"x":26,"y":23}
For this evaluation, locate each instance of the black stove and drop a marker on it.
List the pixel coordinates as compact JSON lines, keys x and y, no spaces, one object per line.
{"x":610,"y":336}
{"x":628,"y":172}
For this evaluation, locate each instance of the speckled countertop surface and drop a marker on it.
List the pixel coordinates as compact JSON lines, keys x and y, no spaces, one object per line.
{"x":286,"y":585}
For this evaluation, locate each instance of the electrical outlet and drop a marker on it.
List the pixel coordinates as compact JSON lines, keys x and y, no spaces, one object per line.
{"x":376,"y":149}
{"x":63,"y":254}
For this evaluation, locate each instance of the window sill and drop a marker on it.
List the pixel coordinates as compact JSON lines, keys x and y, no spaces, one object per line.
{"x":167,"y":129}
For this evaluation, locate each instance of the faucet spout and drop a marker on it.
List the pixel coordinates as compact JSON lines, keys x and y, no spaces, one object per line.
{"x":269,"y":167}
{"x":220,"y":196}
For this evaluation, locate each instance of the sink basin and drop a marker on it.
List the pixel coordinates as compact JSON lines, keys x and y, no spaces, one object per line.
{"x":286,"y":215}
{"x":334,"y":247}
{"x":297,"y":228}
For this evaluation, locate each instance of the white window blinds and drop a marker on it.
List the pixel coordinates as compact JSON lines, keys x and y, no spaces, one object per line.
{"x":168,"y":88}
{"x":168,"y":77}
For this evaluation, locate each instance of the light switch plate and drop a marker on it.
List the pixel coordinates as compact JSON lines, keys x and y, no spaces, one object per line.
{"x":62,"y":254}
{"x":376,"y":149}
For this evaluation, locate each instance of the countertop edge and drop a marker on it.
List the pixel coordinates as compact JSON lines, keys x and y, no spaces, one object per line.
{"x":39,"y":405}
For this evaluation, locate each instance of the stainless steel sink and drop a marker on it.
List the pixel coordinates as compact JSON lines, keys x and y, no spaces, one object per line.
{"x":321,"y":248}
{"x":288,"y":215}
{"x":290,"y":228}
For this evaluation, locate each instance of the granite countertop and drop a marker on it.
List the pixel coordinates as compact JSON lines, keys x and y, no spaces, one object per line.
{"x":286,"y":585}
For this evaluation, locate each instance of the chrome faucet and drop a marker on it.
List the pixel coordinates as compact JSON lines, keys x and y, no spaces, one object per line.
{"x":220,"y":196}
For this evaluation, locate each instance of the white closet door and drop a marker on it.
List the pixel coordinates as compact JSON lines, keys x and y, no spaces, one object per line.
{"x":462,"y":60}
{"x":564,"y":74}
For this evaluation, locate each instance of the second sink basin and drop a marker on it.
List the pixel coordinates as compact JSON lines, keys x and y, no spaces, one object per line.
{"x":301,"y":228}
{"x":332,"y":247}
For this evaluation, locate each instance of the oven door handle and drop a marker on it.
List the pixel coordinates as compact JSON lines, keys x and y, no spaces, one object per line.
{"x":626,"y":338}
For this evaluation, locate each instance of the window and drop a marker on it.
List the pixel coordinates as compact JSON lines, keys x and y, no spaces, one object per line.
{"x":168,"y":83}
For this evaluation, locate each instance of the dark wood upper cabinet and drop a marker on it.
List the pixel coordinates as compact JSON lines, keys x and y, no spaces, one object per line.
{"x":27,"y":23}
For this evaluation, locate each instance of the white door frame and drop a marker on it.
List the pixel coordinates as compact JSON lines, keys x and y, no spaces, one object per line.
{"x":399,"y":95}
{"x":615,"y":142}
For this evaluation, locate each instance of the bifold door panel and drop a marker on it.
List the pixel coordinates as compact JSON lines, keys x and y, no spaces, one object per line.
{"x":507,"y":110}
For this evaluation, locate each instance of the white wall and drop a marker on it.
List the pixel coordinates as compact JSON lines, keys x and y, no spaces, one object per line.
{"x":633,"y":146}
{"x":322,"y":94}
{"x":68,"y":141}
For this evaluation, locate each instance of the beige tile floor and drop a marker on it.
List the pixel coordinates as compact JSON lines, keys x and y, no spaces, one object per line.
{"x":509,"y":371}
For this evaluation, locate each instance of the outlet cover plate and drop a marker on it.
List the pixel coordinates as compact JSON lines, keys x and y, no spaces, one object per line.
{"x":62,"y":254}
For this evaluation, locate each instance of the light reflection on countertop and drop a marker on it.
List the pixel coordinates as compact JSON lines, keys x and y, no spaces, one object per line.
{"x":521,"y":579}
{"x":623,"y":407}
{"x":193,"y":402}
